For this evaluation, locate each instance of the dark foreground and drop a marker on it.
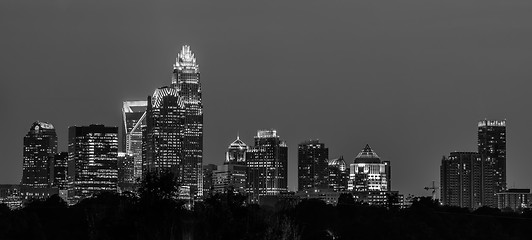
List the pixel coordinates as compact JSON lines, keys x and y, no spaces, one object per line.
{"x":153,"y":215}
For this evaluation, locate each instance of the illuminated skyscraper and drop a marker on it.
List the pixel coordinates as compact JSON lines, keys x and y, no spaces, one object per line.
{"x":60,"y":174}
{"x":312,"y":165}
{"x":126,"y":177}
{"x":338,"y":174}
{"x":267,"y":165}
{"x":492,"y":146}
{"x":369,"y":172}
{"x":92,"y":160}
{"x":40,"y":146}
{"x":163,"y":135}
{"x":186,"y":79}
{"x":134,"y":119}
{"x":231,"y":176}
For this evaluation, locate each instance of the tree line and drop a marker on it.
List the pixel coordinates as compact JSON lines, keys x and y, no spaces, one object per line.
{"x":154,"y":213}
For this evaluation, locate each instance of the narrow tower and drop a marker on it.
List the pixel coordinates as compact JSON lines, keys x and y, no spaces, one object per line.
{"x":186,"y":79}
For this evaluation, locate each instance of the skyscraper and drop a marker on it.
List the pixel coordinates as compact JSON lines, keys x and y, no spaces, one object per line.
{"x":369,"y":172}
{"x":163,"y":135}
{"x":492,"y":146}
{"x":60,"y":174}
{"x":134,"y":119}
{"x":462,"y":180}
{"x":312,"y":165}
{"x":231,"y":176}
{"x":40,"y":146}
{"x":338,"y":174}
{"x":126,"y":176}
{"x":92,"y":160}
{"x":186,"y":79}
{"x":267,"y":165}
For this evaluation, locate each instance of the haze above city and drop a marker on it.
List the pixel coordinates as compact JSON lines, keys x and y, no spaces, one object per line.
{"x":410,"y":78}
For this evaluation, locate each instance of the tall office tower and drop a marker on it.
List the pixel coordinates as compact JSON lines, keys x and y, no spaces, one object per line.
{"x":92,"y":160}
{"x":163,"y":135}
{"x":186,"y":79}
{"x":134,"y":118}
{"x":267,"y":165}
{"x":231,"y":176}
{"x":40,"y":146}
{"x":126,"y":176}
{"x":312,"y":165}
{"x":208,"y":179}
{"x":492,"y":146}
{"x":338,"y":174}
{"x":463,"y":180}
{"x":369,"y":172}
{"x":60,"y":174}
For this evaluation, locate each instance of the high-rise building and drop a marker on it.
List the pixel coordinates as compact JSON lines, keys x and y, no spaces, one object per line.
{"x":267,"y":165}
{"x":338,"y":174}
{"x":163,"y":135}
{"x":231,"y":176}
{"x":92,"y":160}
{"x":312,"y":165}
{"x":60,"y":174}
{"x":186,"y":79}
{"x":208,"y":179}
{"x":126,"y":176}
{"x":461,"y":180}
{"x":492,"y":146}
{"x":134,"y":119}
{"x":40,"y":146}
{"x":369,"y":172}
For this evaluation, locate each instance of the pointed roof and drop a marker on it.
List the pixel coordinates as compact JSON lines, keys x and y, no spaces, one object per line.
{"x":367,"y":156}
{"x":238,"y":143}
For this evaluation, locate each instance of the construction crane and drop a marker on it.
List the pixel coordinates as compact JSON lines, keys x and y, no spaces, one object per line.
{"x":433,"y":188}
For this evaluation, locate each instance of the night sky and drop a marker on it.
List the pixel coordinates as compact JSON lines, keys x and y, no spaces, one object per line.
{"x":411,"y":78}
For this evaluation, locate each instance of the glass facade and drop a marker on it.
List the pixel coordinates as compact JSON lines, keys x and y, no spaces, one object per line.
{"x":163,"y":135}
{"x":267,"y":165}
{"x":186,"y":79}
{"x":92,"y":160}
{"x":338,"y":174}
{"x":134,"y":119}
{"x":312,"y":165}
{"x":492,"y":146}
{"x":40,"y":147}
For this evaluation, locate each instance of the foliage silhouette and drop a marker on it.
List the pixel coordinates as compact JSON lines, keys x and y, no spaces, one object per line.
{"x":157,"y":213}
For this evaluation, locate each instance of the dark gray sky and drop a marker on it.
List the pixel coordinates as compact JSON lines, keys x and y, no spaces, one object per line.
{"x":411,"y":77}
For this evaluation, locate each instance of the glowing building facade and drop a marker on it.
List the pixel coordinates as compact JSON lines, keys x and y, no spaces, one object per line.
{"x":40,"y":146}
{"x":163,"y":135}
{"x":312,"y":165}
{"x":126,"y":176}
{"x":267,"y":165}
{"x":92,"y":160}
{"x":134,"y":119}
{"x":369,"y":173}
{"x":186,"y":79}
{"x":492,"y":146}
{"x":338,"y":174}
{"x":231,"y":176}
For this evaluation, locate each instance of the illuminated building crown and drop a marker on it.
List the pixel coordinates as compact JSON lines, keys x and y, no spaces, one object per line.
{"x":186,"y":60}
{"x":160,"y":93}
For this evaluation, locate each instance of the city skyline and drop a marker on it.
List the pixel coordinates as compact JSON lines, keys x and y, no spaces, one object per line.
{"x":240,"y":85}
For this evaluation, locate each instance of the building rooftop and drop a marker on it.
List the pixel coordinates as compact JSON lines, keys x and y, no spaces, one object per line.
{"x":367,"y":155}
